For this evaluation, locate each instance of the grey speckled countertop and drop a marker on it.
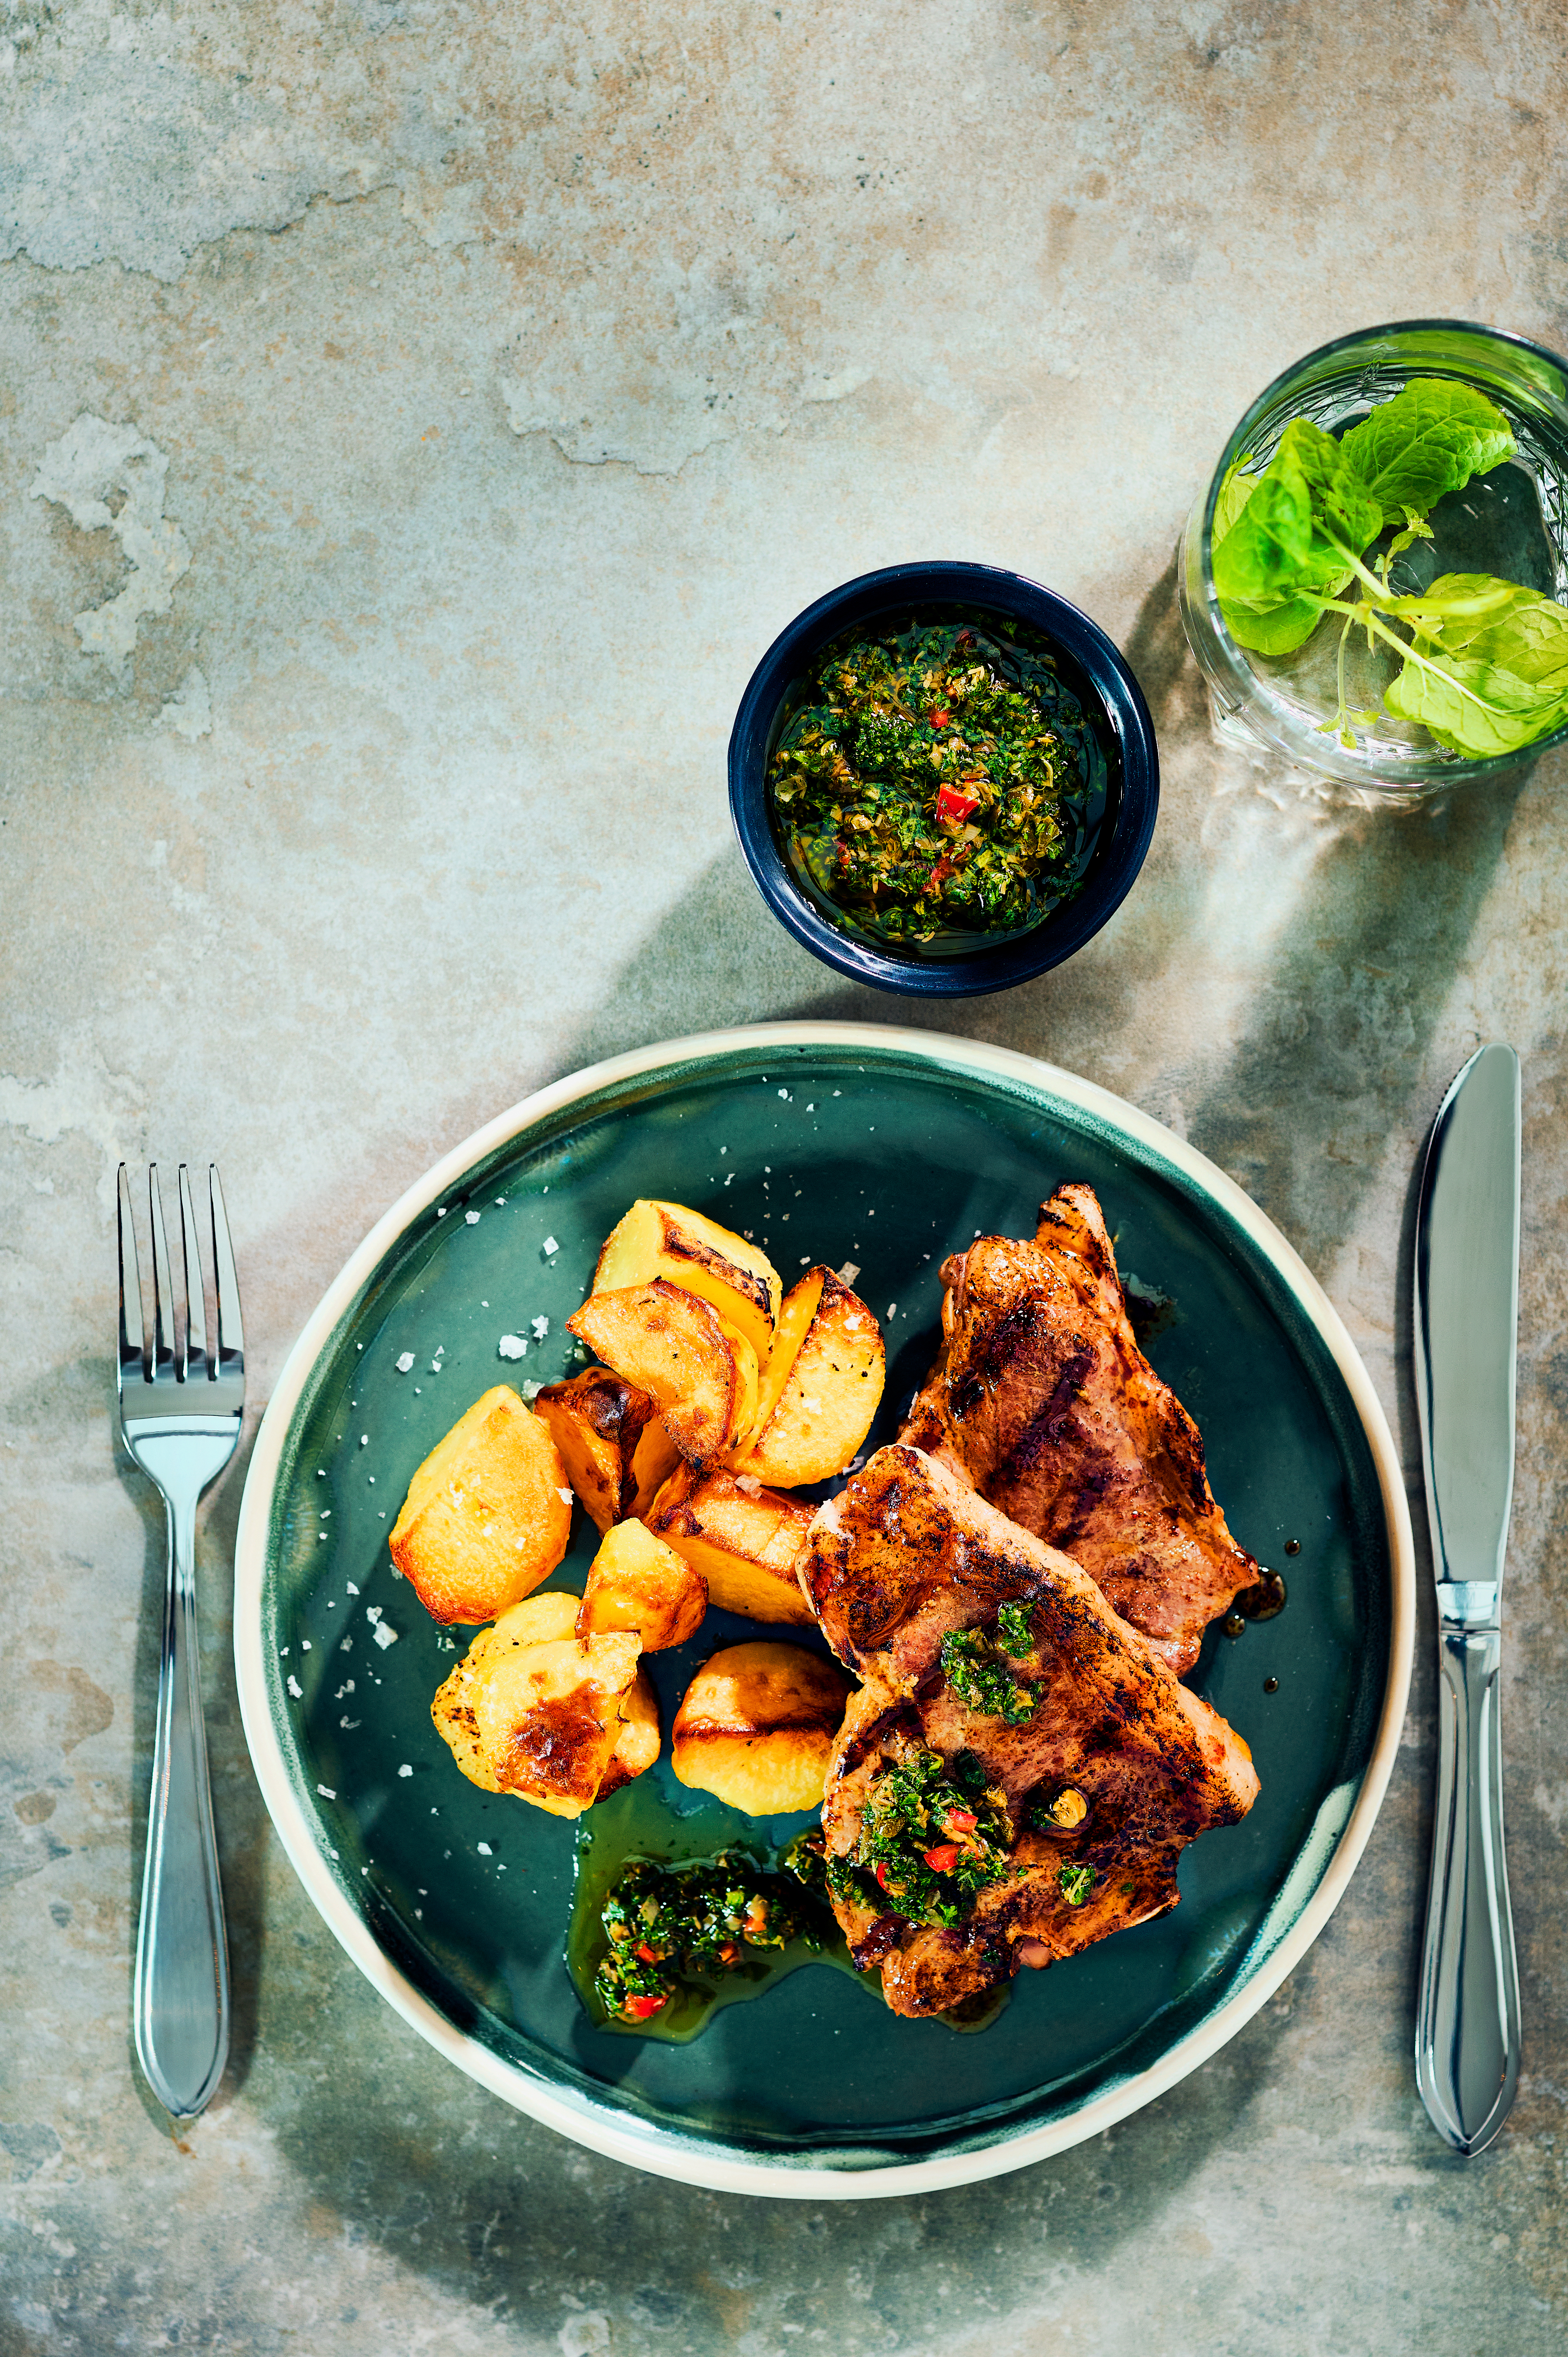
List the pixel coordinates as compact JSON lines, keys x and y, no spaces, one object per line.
{"x":481,"y":390}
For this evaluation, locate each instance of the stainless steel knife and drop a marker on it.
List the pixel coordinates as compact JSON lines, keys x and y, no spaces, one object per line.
{"x":1466,"y":1318}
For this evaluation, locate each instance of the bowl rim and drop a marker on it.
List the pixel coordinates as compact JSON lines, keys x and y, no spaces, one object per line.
{"x":658,"y":2151}
{"x":999,"y":964}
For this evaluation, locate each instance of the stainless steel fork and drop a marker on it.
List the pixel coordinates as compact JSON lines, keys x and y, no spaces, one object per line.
{"x":180,"y":1406}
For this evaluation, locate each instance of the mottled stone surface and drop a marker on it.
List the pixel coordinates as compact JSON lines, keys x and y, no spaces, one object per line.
{"x":476,"y":393}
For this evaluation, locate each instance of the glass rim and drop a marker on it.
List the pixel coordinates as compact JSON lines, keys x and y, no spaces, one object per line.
{"x":1327,"y":755}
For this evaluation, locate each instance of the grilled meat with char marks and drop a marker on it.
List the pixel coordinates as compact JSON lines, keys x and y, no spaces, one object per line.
{"x":1043,"y":1400}
{"x":998,"y":1684}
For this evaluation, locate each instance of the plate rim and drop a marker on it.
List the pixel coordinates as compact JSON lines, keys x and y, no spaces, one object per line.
{"x":656,"y":2150}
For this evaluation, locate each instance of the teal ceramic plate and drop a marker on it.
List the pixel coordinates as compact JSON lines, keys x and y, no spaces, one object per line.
{"x":830,"y":1142}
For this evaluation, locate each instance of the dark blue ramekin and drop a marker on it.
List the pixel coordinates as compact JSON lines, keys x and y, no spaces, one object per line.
{"x":1096,"y":672}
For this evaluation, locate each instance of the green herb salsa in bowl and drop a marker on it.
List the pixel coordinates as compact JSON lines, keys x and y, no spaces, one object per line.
{"x":943,"y":777}
{"x":939,"y":781}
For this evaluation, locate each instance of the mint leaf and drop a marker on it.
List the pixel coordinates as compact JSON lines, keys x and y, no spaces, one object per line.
{"x":1260,"y":558}
{"x":1268,"y":571}
{"x":1234,"y":495}
{"x":1429,"y":440}
{"x":1498,"y":622}
{"x":1473,"y":706}
{"x":1274,"y":630}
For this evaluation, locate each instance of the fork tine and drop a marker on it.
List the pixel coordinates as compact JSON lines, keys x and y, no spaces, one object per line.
{"x":163,"y":1288}
{"x":195,"y":1302}
{"x":131,"y":1352}
{"x":226,"y":1284}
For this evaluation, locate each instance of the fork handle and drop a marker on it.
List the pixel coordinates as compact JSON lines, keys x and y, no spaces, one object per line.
{"x":182,"y":1951}
{"x":1468,"y":2026}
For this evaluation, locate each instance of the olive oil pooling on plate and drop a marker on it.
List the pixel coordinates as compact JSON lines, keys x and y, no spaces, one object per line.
{"x":938,"y":780}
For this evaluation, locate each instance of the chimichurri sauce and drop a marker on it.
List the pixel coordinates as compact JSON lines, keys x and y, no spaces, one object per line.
{"x":939,"y":782}
{"x":658,"y":1944}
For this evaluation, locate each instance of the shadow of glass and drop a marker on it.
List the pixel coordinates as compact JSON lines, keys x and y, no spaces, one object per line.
{"x":1333,"y":1053}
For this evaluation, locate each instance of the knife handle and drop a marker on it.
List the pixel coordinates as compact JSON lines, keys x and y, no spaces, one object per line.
{"x":1466,"y":2032}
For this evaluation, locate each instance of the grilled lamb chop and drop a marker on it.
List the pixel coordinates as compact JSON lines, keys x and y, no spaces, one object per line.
{"x":1041,"y":1398}
{"x":1021,"y":1765}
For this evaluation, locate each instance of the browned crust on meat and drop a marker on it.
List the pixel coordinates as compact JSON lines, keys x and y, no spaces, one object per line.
{"x":907,"y":1553}
{"x":1043,"y":1399}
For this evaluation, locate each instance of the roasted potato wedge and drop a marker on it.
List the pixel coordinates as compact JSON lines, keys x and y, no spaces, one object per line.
{"x":488,"y":1515}
{"x":820,"y":1387}
{"x":756,"y":1725}
{"x":701,"y":1372}
{"x":637,"y":1582}
{"x":657,"y":1458}
{"x":636,"y":1748}
{"x":535,"y":1622}
{"x":529,"y":1710}
{"x":742,"y":1539}
{"x":598,"y":1422}
{"x":669,"y":1241}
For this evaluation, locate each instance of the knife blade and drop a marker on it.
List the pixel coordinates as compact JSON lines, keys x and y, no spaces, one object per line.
{"x":1466,"y":1302}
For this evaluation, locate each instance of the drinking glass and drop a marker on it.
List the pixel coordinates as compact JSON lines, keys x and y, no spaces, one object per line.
{"x":1512,"y":522}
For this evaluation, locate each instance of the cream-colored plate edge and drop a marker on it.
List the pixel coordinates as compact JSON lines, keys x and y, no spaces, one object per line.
{"x":689,"y":2162}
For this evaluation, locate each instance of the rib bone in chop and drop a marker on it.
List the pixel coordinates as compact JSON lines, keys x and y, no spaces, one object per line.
{"x":1082,"y":1764}
{"x":1041,"y":1398}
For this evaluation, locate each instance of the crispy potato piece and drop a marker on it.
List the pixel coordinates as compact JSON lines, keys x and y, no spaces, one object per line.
{"x":701,"y":1372}
{"x":814,"y":1412}
{"x":657,"y":1458}
{"x":530,"y":1711}
{"x":695,"y":1253}
{"x":535,"y":1622}
{"x":757,"y":1726}
{"x":598,"y":1422}
{"x":637,"y":1745}
{"x":742,"y":1539}
{"x":549,"y":1715}
{"x":637,"y":1582}
{"x":488,"y":1515}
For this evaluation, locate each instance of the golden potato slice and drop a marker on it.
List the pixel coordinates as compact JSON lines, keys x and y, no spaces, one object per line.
{"x":657,"y":1458}
{"x":637,"y":1747}
{"x":548,"y":1717}
{"x":813,"y":1413}
{"x":742,"y":1539}
{"x":695,"y":1253}
{"x":755,"y":1727}
{"x":488,"y":1515}
{"x":465,"y":1714}
{"x":535,"y":1622}
{"x":637,"y":1582}
{"x":598,"y":1422}
{"x":701,"y":1374}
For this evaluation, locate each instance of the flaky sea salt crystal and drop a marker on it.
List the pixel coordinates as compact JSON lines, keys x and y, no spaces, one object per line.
{"x":405,"y":1363}
{"x":295,"y":1689}
{"x":385,"y":1634}
{"x":849,"y":1272}
{"x":541,"y":1328}
{"x":470,"y":1219}
{"x":327,"y":1792}
{"x":511,"y":1346}
{"x":406,"y":1769}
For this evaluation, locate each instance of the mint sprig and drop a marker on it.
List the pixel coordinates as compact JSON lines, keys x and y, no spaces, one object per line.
{"x":1485,"y":663}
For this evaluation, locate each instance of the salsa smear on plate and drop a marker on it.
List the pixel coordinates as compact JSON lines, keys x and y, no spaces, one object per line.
{"x":939,"y":782}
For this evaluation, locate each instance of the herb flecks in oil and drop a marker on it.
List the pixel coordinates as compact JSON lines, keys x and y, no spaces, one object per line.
{"x":922,"y":784}
{"x":668,"y":1926}
{"x":932,"y":1834}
